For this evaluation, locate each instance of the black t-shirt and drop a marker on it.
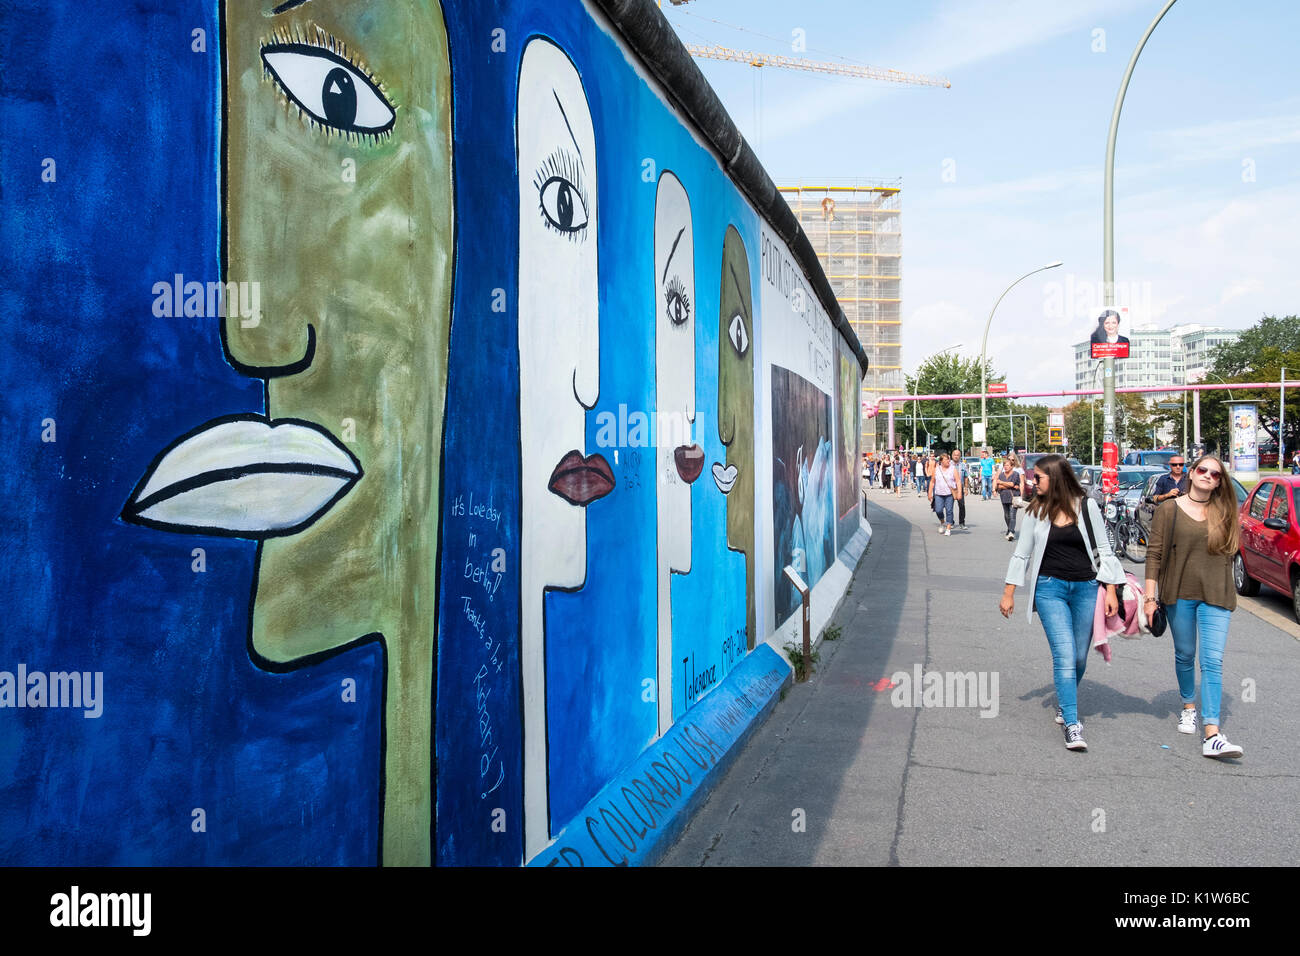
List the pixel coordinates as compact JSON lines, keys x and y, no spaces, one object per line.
{"x":1066,"y":556}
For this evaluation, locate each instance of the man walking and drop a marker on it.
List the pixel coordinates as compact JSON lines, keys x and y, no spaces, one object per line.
{"x":960,"y":465}
{"x":1173,"y":484}
{"x":918,"y":466}
{"x":986,"y":474}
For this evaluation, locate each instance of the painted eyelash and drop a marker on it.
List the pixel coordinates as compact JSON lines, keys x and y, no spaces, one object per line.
{"x":677,"y":289}
{"x":562,"y":165}
{"x":322,"y":39}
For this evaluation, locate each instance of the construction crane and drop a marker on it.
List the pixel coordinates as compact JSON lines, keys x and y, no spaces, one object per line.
{"x":813,"y":66}
{"x":759,"y":60}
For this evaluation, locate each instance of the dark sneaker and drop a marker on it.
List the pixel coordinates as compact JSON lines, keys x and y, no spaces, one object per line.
{"x":1074,"y":737}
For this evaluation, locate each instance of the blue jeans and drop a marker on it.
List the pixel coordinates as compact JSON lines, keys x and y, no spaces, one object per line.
{"x":988,"y":486}
{"x":1186,"y":618}
{"x":943,"y":508}
{"x":1066,"y":609}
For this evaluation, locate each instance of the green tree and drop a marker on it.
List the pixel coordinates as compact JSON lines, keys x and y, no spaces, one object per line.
{"x":946,"y":423}
{"x":1259,"y":355}
{"x":1084,"y":429}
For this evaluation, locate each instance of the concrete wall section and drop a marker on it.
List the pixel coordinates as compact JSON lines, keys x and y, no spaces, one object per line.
{"x":473,"y":516}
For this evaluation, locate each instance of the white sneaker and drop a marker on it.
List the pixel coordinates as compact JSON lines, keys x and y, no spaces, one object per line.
{"x":1060,"y":717}
{"x":1218,"y":746}
{"x":1187,"y":721}
{"x":948,"y":532}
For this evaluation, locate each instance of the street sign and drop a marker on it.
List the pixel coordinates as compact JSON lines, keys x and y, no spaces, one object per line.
{"x":1055,"y":435}
{"x":999,"y":388}
{"x":977,"y":432}
{"x":1169,"y":405}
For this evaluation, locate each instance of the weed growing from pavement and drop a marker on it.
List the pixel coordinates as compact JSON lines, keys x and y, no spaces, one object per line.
{"x":802,"y":669}
{"x":832,"y":632}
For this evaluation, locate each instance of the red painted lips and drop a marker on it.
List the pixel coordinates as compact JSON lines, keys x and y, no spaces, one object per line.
{"x":689,"y":460}
{"x":580,"y":481}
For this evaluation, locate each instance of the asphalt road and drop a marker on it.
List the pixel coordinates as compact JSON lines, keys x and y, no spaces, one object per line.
{"x":840,"y":775}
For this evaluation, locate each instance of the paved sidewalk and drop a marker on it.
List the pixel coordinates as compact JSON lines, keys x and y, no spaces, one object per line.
{"x":876,"y":784}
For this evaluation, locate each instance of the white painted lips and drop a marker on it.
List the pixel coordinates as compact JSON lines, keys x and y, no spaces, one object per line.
{"x":244,"y":477}
{"x":724,"y":476}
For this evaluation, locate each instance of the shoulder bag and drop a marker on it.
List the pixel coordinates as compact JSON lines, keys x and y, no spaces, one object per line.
{"x":1096,"y":552}
{"x":1160,"y":618}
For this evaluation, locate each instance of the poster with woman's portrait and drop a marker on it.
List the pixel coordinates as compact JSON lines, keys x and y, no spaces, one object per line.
{"x":1107,"y":342}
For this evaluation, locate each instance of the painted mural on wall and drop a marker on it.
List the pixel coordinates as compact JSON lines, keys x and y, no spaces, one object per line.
{"x":848,"y":443}
{"x":802,"y":485}
{"x":433,"y":496}
{"x":734,"y":477}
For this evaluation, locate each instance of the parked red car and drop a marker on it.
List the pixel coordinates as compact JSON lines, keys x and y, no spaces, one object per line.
{"x":1270,"y":540}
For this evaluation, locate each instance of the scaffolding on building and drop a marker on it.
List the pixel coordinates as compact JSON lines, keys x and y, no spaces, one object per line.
{"x":854,"y":227}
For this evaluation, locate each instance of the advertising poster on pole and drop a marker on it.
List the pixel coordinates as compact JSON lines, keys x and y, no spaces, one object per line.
{"x":1245,"y":449}
{"x":1107,"y":338}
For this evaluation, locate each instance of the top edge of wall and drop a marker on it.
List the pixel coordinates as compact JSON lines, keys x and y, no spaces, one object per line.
{"x":649,"y":34}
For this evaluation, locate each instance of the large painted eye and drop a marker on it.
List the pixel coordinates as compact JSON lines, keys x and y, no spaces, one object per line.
{"x":562,"y":204}
{"x":738,"y":334}
{"x":329,"y":88}
{"x":678,"y":303}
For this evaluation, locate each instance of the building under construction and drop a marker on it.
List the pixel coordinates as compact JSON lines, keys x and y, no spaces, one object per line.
{"x":855,"y":229}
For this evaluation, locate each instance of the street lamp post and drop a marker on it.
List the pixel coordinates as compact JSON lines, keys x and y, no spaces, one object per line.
{"x":1281,"y":424}
{"x":1092,"y":421}
{"x":984,"y":345}
{"x":1108,"y":244}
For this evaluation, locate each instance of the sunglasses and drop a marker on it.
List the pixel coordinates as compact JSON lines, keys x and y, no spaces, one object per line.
{"x":1177,"y":464}
{"x":1208,"y":472}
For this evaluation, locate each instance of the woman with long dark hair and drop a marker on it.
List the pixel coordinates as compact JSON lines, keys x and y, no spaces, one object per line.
{"x":1062,"y":555}
{"x":1194,"y":538}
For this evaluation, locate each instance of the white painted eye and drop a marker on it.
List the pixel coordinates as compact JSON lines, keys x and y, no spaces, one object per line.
{"x":738,"y":335}
{"x":332,"y":91}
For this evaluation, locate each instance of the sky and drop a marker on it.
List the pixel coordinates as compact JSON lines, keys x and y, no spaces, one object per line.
{"x":1003,"y":172}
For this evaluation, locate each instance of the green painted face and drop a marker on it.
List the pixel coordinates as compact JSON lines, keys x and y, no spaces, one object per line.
{"x":338,"y":202}
{"x":736,"y":407}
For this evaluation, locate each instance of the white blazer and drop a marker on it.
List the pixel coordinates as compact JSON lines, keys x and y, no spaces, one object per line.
{"x":1022,"y":570}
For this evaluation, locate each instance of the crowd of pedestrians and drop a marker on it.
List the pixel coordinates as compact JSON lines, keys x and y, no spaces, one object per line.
{"x":1064,"y":559}
{"x":946,"y":479}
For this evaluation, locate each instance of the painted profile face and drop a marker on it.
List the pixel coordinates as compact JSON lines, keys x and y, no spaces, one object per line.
{"x":337,"y":188}
{"x":559,"y":328}
{"x":559,"y":368}
{"x":679,"y":460}
{"x":735,"y":375}
{"x":319,"y":95}
{"x":735,"y":477}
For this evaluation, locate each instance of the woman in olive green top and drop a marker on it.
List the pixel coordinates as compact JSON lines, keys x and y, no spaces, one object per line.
{"x":1189,"y":566}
